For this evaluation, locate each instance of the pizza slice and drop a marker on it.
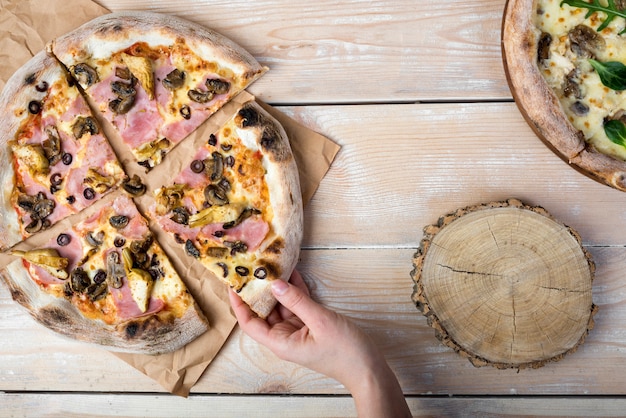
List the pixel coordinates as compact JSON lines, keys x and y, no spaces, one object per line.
{"x":55,"y":159}
{"x":237,"y":208}
{"x":108,"y":282}
{"x":156,"y":78}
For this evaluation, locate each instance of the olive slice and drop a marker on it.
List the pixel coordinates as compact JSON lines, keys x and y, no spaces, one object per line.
{"x":197,"y":166}
{"x":34,"y":107}
{"x":64,"y":239}
{"x":260,"y":273}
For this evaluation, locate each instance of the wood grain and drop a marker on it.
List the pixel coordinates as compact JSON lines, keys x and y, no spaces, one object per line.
{"x":200,"y":406}
{"x":372,"y":286}
{"x":358,"y":51}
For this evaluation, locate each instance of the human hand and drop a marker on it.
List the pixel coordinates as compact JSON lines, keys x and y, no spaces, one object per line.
{"x":304,"y":332}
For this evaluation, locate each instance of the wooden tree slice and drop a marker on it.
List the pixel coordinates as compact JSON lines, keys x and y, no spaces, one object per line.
{"x":505,"y":284}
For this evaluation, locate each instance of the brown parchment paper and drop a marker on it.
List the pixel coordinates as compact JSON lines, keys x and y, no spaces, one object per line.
{"x":25,"y":28}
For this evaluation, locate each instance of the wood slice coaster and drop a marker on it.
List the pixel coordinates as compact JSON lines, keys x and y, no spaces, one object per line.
{"x":505,"y":284}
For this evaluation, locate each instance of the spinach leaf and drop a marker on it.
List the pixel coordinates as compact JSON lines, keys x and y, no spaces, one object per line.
{"x":612,"y":73}
{"x":616,"y":131}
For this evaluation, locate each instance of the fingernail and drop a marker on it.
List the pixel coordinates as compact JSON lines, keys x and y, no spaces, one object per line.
{"x":279,"y":287}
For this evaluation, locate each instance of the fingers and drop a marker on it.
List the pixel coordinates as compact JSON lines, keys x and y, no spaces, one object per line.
{"x":251,"y":324}
{"x":298,"y":301}
{"x":296,"y":280}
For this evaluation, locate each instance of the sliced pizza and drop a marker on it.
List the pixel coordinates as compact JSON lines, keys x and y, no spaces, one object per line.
{"x":107,"y":281}
{"x":55,"y":159}
{"x":237,"y":208}
{"x":155,"y":78}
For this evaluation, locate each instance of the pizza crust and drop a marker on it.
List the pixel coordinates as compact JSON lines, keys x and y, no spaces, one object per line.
{"x":282,"y":176}
{"x":152,"y":334}
{"x":18,"y":91}
{"x":539,"y":104}
{"x":100,"y":37}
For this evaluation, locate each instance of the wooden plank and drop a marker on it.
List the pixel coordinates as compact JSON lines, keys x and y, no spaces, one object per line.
{"x":403,"y":166}
{"x":155,"y":406}
{"x":398,"y":51}
{"x":373,"y":287}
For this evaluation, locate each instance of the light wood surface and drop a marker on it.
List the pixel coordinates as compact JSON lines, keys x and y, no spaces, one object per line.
{"x":415,"y":94}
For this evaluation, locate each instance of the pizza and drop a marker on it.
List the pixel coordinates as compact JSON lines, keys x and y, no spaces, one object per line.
{"x":107,"y":281}
{"x":47,"y":129}
{"x":85,"y":219}
{"x":565,"y":65}
{"x":154,"y":78}
{"x":236,"y":206}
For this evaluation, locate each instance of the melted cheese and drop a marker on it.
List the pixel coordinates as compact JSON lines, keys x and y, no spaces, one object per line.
{"x":601,"y":101}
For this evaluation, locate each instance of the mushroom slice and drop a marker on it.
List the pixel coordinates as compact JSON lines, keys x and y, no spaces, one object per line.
{"x":47,"y":258}
{"x":217,"y":86}
{"x":115,"y":270}
{"x":33,"y":157}
{"x":141,"y":68}
{"x":98,"y":182}
{"x":52,"y":145}
{"x":134,"y":186}
{"x":174,"y":80}
{"x":199,"y":96}
{"x":83,"y":125}
{"x":214,"y":195}
{"x":84,"y":74}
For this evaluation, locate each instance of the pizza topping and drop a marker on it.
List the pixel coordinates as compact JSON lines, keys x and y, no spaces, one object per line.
{"x":115,"y":270}
{"x":215,"y":214}
{"x":98,"y":182}
{"x":169,"y":197}
{"x":141,"y":68}
{"x":242,"y":271}
{"x":42,"y":87}
{"x":119,"y":221}
{"x":224,"y":268}
{"x":89,"y":193}
{"x":34,"y":107}
{"x":191,"y":249}
{"x":236,"y":247}
{"x":217,"y":86}
{"x":64,"y":239}
{"x":33,"y":157}
{"x":247,"y":212}
{"x":543,"y":47}
{"x":95,"y":240}
{"x":48,"y":259}
{"x":199,"y":96}
{"x":585,"y":42}
{"x":139,"y":280}
{"x":97,"y":291}
{"x":134,"y":186}
{"x":260,"y":273}
{"x":174,"y":80}
{"x":52,"y":145}
{"x":180,"y":215}
{"x":215,"y":195}
{"x":84,"y":74}
{"x":125,"y":100}
{"x":79,"y":280}
{"x":185,"y":112}
{"x":83,"y":125}
{"x":67,"y":158}
{"x":197,"y":166}
{"x":153,"y":151}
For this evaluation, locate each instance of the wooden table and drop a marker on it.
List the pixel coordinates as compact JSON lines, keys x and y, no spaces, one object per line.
{"x":415,"y":94}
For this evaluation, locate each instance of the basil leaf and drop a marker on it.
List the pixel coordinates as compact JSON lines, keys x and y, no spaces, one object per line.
{"x":616,"y":131}
{"x":612,"y":73}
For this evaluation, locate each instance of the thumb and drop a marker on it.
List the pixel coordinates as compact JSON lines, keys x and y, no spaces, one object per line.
{"x":297,"y":301}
